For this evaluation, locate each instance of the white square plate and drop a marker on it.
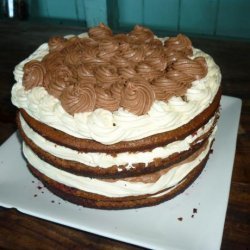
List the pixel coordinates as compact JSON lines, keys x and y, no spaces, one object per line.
{"x":192,"y":220}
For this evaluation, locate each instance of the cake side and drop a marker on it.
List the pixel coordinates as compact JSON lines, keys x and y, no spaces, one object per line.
{"x":123,"y":189}
{"x":72,"y":195}
{"x":105,"y":165}
{"x":160,"y":190}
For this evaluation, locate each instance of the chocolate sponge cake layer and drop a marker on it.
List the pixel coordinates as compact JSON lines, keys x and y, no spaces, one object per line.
{"x":79,"y":197}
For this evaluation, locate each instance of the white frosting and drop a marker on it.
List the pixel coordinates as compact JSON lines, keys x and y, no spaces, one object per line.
{"x":119,"y":188}
{"x":98,"y":125}
{"x":104,"y":160}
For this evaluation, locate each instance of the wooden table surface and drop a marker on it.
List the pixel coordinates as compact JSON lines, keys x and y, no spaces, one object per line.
{"x":20,"y":231}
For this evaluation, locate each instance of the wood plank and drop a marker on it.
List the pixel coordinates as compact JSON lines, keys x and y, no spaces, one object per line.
{"x":161,"y":14}
{"x":130,"y":13}
{"x":62,"y":9}
{"x":33,"y":233}
{"x":38,"y":9}
{"x":96,"y":12}
{"x":8,"y":128}
{"x":60,"y":12}
{"x":233,"y":18}
{"x":198,"y":17}
{"x":80,"y":12}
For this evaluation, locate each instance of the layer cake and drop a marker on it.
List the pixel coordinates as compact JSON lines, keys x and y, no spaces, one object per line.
{"x":117,"y":121}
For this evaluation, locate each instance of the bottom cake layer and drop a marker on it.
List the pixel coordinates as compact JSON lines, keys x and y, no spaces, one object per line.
{"x":118,"y":194}
{"x":73,"y":195}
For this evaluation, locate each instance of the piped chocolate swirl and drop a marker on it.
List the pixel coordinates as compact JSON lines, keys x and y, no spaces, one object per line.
{"x":112,"y":71}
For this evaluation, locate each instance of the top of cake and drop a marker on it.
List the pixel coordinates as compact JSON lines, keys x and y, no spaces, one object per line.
{"x":106,"y":86}
{"x":111,"y":71}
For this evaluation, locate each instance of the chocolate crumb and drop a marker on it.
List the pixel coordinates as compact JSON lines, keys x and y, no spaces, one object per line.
{"x":195,"y":210}
{"x":184,"y":98}
{"x":114,"y":124}
{"x":180,"y":218}
{"x":33,"y":181}
{"x":194,"y":134}
{"x":39,"y":187}
{"x":52,"y":201}
{"x":35,"y":195}
{"x":192,"y":216}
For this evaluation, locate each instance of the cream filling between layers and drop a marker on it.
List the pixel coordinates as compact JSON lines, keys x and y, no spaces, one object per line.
{"x":98,"y":125}
{"x":104,"y":160}
{"x":119,"y":188}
